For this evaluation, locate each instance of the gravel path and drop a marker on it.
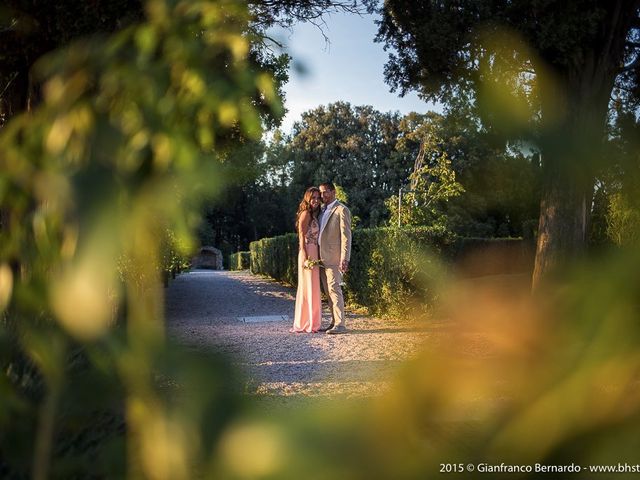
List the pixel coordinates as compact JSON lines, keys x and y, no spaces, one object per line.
{"x":203,"y":309}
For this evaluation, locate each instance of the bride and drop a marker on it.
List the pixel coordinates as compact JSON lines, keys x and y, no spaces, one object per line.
{"x":308,"y":313}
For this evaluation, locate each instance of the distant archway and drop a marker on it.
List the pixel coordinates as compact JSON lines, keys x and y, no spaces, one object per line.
{"x":208,"y":258}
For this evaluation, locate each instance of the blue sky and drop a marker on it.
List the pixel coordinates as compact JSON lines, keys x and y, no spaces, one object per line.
{"x":350,"y":68}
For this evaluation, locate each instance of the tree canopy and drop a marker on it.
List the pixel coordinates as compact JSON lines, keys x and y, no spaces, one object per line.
{"x":542,"y":70}
{"x":353,"y":146}
{"x":372,"y":155}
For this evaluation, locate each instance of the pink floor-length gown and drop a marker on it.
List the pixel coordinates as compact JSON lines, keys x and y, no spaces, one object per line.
{"x":308,"y":304}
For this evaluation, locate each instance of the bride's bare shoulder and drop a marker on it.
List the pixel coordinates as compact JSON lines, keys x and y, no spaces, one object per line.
{"x":304,"y":215}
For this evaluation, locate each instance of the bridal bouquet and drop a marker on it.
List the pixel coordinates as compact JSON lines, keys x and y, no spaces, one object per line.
{"x":313,"y":263}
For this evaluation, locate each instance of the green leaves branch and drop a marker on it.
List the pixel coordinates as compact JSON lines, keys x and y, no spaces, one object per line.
{"x":113,"y":164}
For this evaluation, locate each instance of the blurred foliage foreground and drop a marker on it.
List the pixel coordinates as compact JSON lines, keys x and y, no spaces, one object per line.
{"x":122,"y":150}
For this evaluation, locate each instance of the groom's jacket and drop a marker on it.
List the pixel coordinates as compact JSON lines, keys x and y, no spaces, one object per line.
{"x":335,"y":235}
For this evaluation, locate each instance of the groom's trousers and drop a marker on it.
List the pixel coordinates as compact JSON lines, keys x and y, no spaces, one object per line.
{"x":331,"y":278}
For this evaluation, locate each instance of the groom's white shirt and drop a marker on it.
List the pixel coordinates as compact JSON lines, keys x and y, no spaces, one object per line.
{"x":325,"y":217}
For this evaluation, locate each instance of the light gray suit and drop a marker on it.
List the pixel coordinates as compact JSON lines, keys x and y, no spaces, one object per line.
{"x":335,"y":247}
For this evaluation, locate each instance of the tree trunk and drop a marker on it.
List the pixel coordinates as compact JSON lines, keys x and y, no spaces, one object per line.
{"x":576,"y":112}
{"x":564,"y":217}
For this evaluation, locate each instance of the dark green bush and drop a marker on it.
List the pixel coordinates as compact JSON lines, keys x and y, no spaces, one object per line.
{"x":276,"y":257}
{"x":393,"y":270}
{"x":389,"y":267}
{"x":240,"y":261}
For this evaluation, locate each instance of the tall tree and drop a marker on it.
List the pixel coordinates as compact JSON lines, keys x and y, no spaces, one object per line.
{"x":355,"y":148}
{"x":617,"y":199}
{"x":500,"y":183}
{"x":565,"y":57}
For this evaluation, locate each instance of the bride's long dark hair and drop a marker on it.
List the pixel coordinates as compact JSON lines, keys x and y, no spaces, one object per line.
{"x":305,"y":204}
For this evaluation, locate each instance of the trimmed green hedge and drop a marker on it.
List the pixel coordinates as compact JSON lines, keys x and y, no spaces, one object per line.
{"x":276,"y":257}
{"x":240,"y":261}
{"x":383,"y":273}
{"x":393,"y":270}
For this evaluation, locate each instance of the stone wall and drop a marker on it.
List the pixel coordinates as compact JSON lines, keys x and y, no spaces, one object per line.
{"x":209,"y":258}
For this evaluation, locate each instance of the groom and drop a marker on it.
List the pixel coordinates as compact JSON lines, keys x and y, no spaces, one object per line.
{"x":335,"y":250}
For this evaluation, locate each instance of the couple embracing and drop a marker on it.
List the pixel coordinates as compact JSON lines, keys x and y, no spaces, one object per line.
{"x":324,"y":247}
